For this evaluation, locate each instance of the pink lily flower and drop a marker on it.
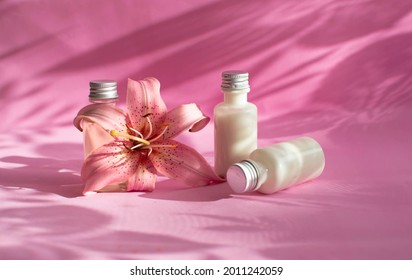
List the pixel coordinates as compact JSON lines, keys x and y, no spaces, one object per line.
{"x":143,"y":144}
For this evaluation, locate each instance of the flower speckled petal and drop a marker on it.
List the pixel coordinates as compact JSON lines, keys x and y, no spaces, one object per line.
{"x":184,"y":117}
{"x":183,"y":163}
{"x":109,"y":164}
{"x":143,"y":99}
{"x":144,"y":178}
{"x":107,"y":116}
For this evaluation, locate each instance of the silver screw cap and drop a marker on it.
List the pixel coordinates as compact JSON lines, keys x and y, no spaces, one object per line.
{"x":235,"y":80}
{"x":103,"y":89}
{"x":242,"y":177}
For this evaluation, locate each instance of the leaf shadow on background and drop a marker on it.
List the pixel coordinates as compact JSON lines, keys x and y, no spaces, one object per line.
{"x":50,"y":174}
{"x":46,"y":39}
{"x":139,"y":245}
{"x":362,"y":103}
{"x":329,"y":236}
{"x":199,"y":41}
{"x":227,"y":45}
{"x":293,"y":77}
{"x":365,"y":89}
{"x":201,"y":22}
{"x":74,"y":232}
{"x":342,"y":21}
{"x":54,"y":242}
{"x":32,"y":110}
{"x":58,"y":231}
{"x":314,"y":223}
{"x":10,"y":97}
{"x":176,"y":191}
{"x":349,"y":249}
{"x":45,"y":230}
{"x":206,"y":39}
{"x":154,"y":37}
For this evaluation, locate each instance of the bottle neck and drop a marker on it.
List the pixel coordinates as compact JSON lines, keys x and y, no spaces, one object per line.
{"x":108,"y":101}
{"x":238,"y":97}
{"x":262,"y":173}
{"x":258,"y":174}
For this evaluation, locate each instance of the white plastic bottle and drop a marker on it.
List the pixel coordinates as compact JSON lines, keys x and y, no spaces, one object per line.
{"x":278,"y":166}
{"x":235,"y":122}
{"x":94,"y":136}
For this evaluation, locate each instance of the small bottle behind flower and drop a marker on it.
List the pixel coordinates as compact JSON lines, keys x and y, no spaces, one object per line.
{"x":94,"y":136}
{"x":278,"y":166}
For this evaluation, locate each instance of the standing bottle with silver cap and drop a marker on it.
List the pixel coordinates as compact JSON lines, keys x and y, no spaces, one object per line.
{"x":94,"y":136}
{"x":278,"y":166}
{"x":235,"y":122}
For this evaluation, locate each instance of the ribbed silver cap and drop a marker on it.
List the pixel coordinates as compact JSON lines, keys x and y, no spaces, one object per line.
{"x":103,"y":89}
{"x":242,"y":177}
{"x":235,"y":80}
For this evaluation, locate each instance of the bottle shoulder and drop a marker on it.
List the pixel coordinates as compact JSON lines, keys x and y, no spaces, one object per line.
{"x":250,"y":112}
{"x":269,"y":168}
{"x":245,"y":106}
{"x":109,"y":101}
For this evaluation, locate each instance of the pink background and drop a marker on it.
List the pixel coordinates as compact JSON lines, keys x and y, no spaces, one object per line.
{"x":339,"y":71}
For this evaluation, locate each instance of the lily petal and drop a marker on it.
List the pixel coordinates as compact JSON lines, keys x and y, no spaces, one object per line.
{"x":184,"y":117}
{"x":95,"y":136}
{"x":183,"y":163}
{"x":143,"y":99}
{"x":144,"y":178}
{"x":107,"y":116}
{"x":111,"y":163}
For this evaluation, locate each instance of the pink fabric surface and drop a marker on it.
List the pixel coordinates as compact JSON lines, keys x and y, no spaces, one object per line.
{"x":339,"y":71}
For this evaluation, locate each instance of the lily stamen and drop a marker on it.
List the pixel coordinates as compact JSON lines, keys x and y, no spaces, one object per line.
{"x":163,"y":146}
{"x":127,"y":148}
{"x":150,"y":125}
{"x":137,"y":146}
{"x":148,"y":148}
{"x":128,"y":136}
{"x":135,"y":131}
{"x":160,"y":134}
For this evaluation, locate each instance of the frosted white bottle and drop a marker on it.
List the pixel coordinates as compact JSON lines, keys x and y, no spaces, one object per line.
{"x":235,"y":122}
{"x":94,"y":136}
{"x":278,"y":166}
